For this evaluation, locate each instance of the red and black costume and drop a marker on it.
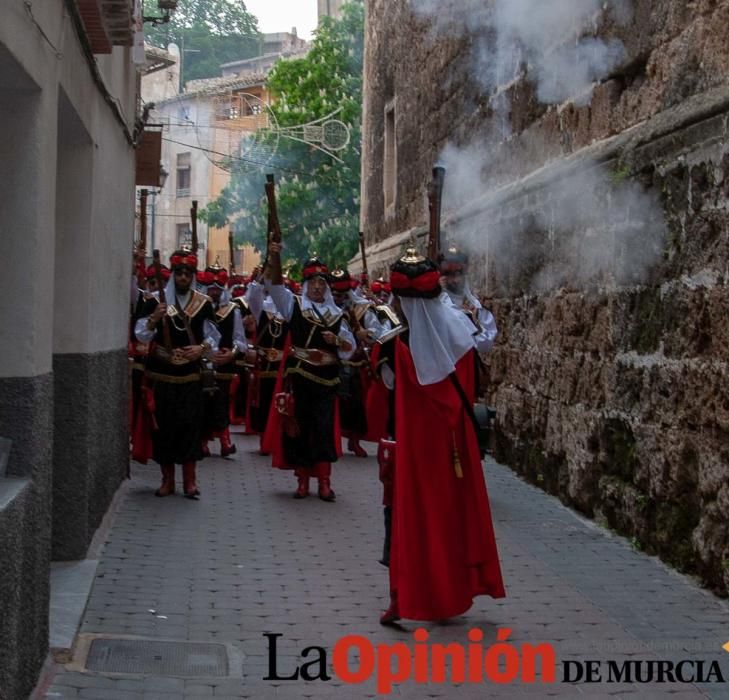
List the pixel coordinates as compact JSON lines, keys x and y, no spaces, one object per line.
{"x":230,"y":327}
{"x":355,"y":373}
{"x":244,"y":363}
{"x":176,"y":382}
{"x":138,"y":358}
{"x":271,"y":333}
{"x":438,"y":484}
{"x":311,"y":373}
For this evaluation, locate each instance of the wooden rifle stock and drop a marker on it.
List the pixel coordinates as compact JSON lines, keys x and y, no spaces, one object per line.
{"x":193,"y":222}
{"x":435,"y":193}
{"x":273,"y":223}
{"x":365,"y":271}
{"x":143,"y":219}
{"x":167,"y":339}
{"x":274,"y":230}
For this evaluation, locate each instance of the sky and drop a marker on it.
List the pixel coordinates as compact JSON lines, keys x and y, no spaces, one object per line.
{"x":281,"y":15}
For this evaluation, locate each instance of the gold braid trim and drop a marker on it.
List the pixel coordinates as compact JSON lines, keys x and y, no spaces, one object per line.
{"x":356,"y":363}
{"x":170,"y":379}
{"x":311,"y":377}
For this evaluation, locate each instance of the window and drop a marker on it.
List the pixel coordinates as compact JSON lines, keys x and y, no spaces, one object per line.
{"x":183,"y":174}
{"x":389,"y":167}
{"x":184,"y":235}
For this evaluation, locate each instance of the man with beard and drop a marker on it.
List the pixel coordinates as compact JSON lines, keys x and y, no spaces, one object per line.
{"x":438,"y":485}
{"x":319,"y":339}
{"x":183,"y":332}
{"x":232,"y":342}
{"x":454,"y":269}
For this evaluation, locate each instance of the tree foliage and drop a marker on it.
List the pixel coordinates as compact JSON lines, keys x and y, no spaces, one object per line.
{"x":211,"y":32}
{"x":317,"y":197}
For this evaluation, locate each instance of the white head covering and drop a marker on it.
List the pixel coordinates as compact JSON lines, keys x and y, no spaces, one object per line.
{"x":224,"y":294}
{"x":171,"y":291}
{"x":440,"y":335}
{"x":325,"y":306}
{"x":465,"y":295}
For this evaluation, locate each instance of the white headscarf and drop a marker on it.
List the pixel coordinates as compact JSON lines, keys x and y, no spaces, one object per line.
{"x":224,"y":294}
{"x":323,"y":307}
{"x":465,"y":295}
{"x":440,"y":335}
{"x":171,"y":291}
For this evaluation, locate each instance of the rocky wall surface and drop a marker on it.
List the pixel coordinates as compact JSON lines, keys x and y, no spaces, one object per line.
{"x":610,"y":384}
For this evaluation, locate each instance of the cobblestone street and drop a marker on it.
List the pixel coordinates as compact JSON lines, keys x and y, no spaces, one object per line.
{"x":247,"y":559}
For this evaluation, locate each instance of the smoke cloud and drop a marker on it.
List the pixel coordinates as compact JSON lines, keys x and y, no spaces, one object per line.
{"x":595,"y":227}
{"x":551,"y":41}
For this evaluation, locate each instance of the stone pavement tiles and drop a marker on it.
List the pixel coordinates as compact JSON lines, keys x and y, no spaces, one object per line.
{"x":247,"y":560}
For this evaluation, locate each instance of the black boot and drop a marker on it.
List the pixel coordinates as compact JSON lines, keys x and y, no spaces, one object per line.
{"x":385,"y":561}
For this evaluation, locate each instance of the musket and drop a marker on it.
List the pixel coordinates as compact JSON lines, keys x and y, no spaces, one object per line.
{"x":365,"y":271}
{"x":435,"y":193}
{"x":143,"y":219}
{"x":274,"y":228}
{"x":232,"y":251}
{"x":141,"y":248}
{"x":273,"y":223}
{"x":167,"y":339}
{"x":193,"y":220}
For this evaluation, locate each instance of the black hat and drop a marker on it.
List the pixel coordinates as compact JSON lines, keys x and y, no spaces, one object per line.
{"x":454,"y":260}
{"x":415,"y":276}
{"x":314,"y":267}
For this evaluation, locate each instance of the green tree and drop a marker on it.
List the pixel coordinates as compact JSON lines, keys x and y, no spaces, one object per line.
{"x":212,"y":32}
{"x":317,"y":197}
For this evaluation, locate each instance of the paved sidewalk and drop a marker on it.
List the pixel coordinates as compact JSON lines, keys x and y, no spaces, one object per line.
{"x":247,"y":559}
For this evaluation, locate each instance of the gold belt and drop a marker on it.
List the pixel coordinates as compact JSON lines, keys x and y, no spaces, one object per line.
{"x":314,"y":356}
{"x":172,"y":358}
{"x":271,"y":354}
{"x":171,"y":379}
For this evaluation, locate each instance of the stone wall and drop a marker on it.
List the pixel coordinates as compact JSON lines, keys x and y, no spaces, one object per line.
{"x":609,"y":377}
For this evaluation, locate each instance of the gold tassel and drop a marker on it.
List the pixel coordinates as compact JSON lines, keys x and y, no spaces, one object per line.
{"x":457,"y":459}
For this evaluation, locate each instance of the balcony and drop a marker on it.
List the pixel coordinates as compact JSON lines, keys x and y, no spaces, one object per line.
{"x":108,"y":23}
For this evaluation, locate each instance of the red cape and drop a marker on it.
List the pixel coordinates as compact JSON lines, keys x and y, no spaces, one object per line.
{"x":443,"y":545}
{"x":376,"y":403}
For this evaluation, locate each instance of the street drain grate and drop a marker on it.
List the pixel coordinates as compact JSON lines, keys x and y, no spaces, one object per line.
{"x":157,"y":658}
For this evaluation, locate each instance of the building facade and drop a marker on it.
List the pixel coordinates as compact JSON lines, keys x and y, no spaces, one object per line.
{"x":330,"y":8}
{"x":587,"y":163}
{"x":68,"y":101}
{"x":201,"y":126}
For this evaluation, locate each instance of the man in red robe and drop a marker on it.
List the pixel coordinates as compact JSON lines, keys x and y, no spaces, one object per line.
{"x":443,"y":550}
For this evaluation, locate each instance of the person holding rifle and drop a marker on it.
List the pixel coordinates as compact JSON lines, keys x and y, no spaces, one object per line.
{"x":270,"y":331}
{"x":319,"y":340}
{"x":180,"y":325}
{"x":232,"y":342}
{"x":438,"y":484}
{"x":454,"y":271}
{"x":354,"y":376}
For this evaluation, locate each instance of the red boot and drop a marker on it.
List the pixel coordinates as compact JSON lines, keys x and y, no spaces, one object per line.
{"x":226,"y":446}
{"x":167,"y":487}
{"x":323,"y":473}
{"x":302,"y":490}
{"x":354,"y":446}
{"x":189,"y":480}
{"x":205,"y":449}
